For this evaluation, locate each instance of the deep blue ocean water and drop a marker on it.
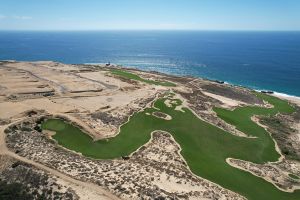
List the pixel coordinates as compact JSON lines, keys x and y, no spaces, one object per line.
{"x":260,"y":60}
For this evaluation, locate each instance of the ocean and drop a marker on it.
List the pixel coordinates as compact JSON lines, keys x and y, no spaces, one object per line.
{"x":259,"y":60}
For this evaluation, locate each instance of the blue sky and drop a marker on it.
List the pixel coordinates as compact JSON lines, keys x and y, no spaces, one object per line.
{"x":150,"y":14}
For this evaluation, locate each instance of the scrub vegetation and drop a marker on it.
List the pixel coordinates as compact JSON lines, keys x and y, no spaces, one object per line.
{"x":294,"y":176}
{"x":205,"y":147}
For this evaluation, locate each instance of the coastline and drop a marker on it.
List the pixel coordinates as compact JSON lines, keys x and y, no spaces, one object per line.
{"x":84,"y":92}
{"x":292,"y":98}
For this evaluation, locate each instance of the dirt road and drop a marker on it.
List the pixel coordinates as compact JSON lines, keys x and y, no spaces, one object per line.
{"x":100,"y":192}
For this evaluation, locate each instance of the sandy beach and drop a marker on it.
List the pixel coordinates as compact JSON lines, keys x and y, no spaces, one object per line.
{"x":292,"y":99}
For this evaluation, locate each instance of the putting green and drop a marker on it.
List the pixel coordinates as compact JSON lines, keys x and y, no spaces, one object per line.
{"x":204,"y":146}
{"x":138,"y":78}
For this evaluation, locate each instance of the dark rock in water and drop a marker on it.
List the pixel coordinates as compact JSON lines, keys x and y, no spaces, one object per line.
{"x":220,"y":82}
{"x":267,"y":92}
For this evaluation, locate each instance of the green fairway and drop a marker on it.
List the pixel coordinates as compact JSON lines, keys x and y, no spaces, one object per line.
{"x":138,"y":78}
{"x":204,"y":146}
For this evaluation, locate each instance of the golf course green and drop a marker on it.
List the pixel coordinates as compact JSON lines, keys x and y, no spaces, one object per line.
{"x":132,"y":76}
{"x":204,"y":146}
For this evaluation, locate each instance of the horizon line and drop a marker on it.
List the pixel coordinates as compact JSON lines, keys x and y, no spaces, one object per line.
{"x":87,"y":30}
